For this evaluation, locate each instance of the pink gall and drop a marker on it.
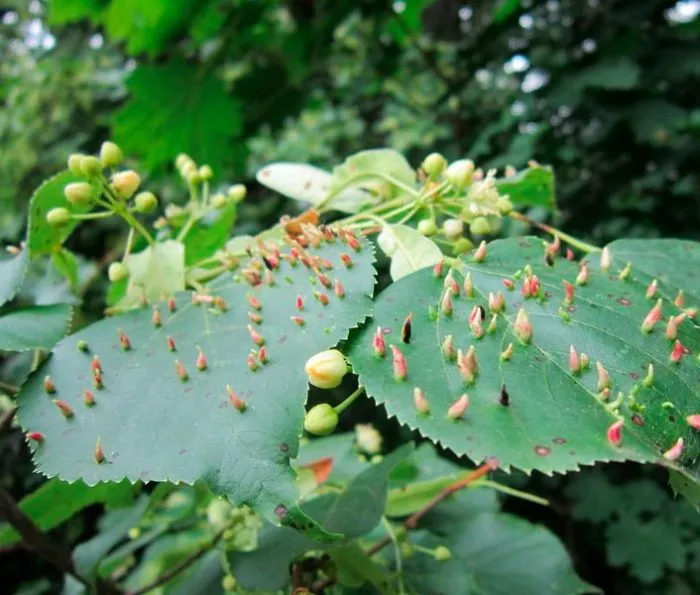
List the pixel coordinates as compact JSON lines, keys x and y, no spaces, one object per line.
{"x":614,"y":433}
{"x":400,"y":367}
{"x":420,"y":401}
{"x":459,"y":407}
{"x":674,"y":453}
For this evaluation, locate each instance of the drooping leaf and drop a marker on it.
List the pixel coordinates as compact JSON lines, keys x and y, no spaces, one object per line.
{"x":312,"y":184}
{"x":377,"y":169}
{"x":494,"y":554}
{"x":57,"y":501}
{"x":42,"y":238}
{"x":243,"y":455}
{"x":409,"y":250}
{"x":36,"y":327}
{"x":353,"y":512}
{"x":532,"y":187}
{"x":173,"y":108}
{"x":531,"y":412}
{"x":209,"y":235}
{"x":66,"y":263}
{"x":156,"y":271}
{"x":12,"y":272}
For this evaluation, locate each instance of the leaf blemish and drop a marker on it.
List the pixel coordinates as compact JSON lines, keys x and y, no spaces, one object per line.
{"x":542,"y":451}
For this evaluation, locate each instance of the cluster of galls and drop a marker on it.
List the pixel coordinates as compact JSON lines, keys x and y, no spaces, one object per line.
{"x":476,"y":192}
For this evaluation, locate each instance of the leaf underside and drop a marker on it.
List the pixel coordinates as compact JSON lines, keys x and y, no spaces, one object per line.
{"x":554,"y":421}
{"x":154,"y":426}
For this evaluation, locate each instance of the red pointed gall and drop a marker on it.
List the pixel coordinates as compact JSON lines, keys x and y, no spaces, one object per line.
{"x":459,"y":407}
{"x":420,"y":401}
{"x":493,"y":325}
{"x":251,"y":362}
{"x":582,"y":277}
{"x":496,"y":302}
{"x":346,"y":260}
{"x":569,"y":254}
{"x":604,"y":380}
{"x":97,"y":380}
{"x":481,"y":251}
{"x":35,"y":436}
{"x":338,"y":288}
{"x":234,"y":399}
{"x":88,"y":398}
{"x":99,"y":453}
{"x":674,"y":453}
{"x":585,"y":362}
{"x":171,"y":343}
{"x":255,"y":336}
{"x":679,"y":301}
{"x":220,"y":303}
{"x":181,"y":371}
{"x":522,"y":327}
{"x":124,"y":341}
{"x":477,"y":328}
{"x":447,"y":348}
{"x":652,"y":289}
{"x":156,"y":319}
{"x":298,"y":320}
{"x":300,"y":303}
{"x":446,"y":303}
{"x":672,"y":329}
{"x":466,"y":367}
{"x":406,"y":329}
{"x":677,"y":353}
{"x":605,"y":259}
{"x":615,"y":433}
{"x":262,"y":355}
{"x":172,"y":306}
{"x":378,"y":343}
{"x":437,"y":269}
{"x":693,"y":421}
{"x":652,"y":317}
{"x":255,"y":318}
{"x":201,"y":363}
{"x":254,"y":302}
{"x":574,"y":361}
{"x":691,"y":313}
{"x":95,"y":364}
{"x":399,"y":364}
{"x":450,"y":284}
{"x":325,"y":281}
{"x":604,"y":394}
{"x":507,"y":353}
{"x":321,"y":297}
{"x":49,"y":385}
{"x":63,"y":407}
{"x":202,"y":298}
{"x":569,"y":291}
{"x":509,"y":284}
{"x":353,"y":243}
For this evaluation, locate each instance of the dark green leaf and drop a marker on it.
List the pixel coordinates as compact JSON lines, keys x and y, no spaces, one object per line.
{"x":66,"y":264}
{"x":12,"y":272}
{"x":532,"y":187}
{"x":34,"y":328}
{"x":208,"y":236}
{"x":504,"y":9}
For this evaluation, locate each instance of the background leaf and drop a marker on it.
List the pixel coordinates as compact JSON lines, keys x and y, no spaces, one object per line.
{"x":533,"y":187}
{"x":36,"y":327}
{"x":409,"y":250}
{"x":12,"y":272}
{"x":370,"y":168}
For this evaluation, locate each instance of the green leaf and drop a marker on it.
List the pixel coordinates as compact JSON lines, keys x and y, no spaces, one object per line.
{"x":57,"y":501}
{"x":355,"y":568}
{"x":353,"y":512}
{"x":687,"y":488}
{"x":189,"y":429}
{"x":555,"y":421}
{"x":12,"y":272}
{"x":380,"y":170}
{"x":307,"y":183}
{"x":504,"y":9}
{"x":174,"y":108}
{"x":208,"y":236}
{"x":71,"y":11}
{"x":156,"y":271}
{"x":42,"y":238}
{"x":33,"y":328}
{"x":494,"y":554}
{"x":411,"y":20}
{"x":409,"y":250}
{"x":66,"y":264}
{"x":532,"y":187}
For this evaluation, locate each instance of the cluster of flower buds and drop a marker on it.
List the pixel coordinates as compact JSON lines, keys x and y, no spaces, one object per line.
{"x":191,"y":172}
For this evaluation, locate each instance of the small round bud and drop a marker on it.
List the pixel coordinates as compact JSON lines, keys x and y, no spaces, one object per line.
{"x":110,"y":154}
{"x":218,"y":513}
{"x":192,"y":176}
{"x":145,"y":202}
{"x":189,"y":168}
{"x":441,"y":553}
{"x":205,"y":172}
{"x":326,"y":369}
{"x":407,"y":550}
{"x":480,"y":226}
{"x":117,"y":272}
{"x":504,"y":206}
{"x":321,"y":420}
{"x":237,"y":192}
{"x":219,"y":201}
{"x":78,"y":193}
{"x":427,"y":227}
{"x":368,"y":439}
{"x":453,"y":228}
{"x":125,"y":183}
{"x":74,"y":161}
{"x":229,"y":583}
{"x":459,"y":173}
{"x":461,"y":246}
{"x":181,"y":160}
{"x":434,"y":164}
{"x":90,"y":166}
{"x":58,"y":217}
{"x":134,"y":533}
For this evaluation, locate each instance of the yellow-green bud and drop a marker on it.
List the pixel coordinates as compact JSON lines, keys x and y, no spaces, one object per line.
{"x":205,"y":172}
{"x":368,"y":438}
{"x":218,"y":513}
{"x":441,"y":553}
{"x":407,"y":550}
{"x":321,"y":420}
{"x":219,"y":201}
{"x":326,"y":369}
{"x":134,"y":533}
{"x":58,"y":217}
{"x":229,"y":534}
{"x":237,"y":192}
{"x":189,"y":168}
{"x":90,"y":166}
{"x":192,"y":176}
{"x":229,"y":583}
{"x":427,"y":227}
{"x":78,"y":193}
{"x":461,"y":246}
{"x":74,"y":161}
{"x":434,"y":164}
{"x":504,"y":206}
{"x":117,"y":271}
{"x":453,"y":228}
{"x":145,"y":202}
{"x":110,"y":154}
{"x":480,"y":226}
{"x":181,"y":160}
{"x":125,"y":183}
{"x":459,"y":173}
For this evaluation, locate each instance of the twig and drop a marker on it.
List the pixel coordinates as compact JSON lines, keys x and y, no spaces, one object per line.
{"x":35,"y":539}
{"x":10,"y":389}
{"x":588,"y":248}
{"x":178,"y":568}
{"x":6,"y":420}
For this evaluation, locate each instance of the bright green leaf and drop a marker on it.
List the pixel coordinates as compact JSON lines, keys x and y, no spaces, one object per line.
{"x":66,"y":264}
{"x":532,"y":187}
{"x":409,"y":250}
{"x":243,"y":455}
{"x":38,"y":327}
{"x":384,"y":171}
{"x":208,"y":236}
{"x":504,"y":9}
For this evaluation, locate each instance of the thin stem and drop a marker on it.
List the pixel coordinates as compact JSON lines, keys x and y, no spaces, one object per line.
{"x":99,"y":215}
{"x":187,"y":227}
{"x":181,"y":567}
{"x":10,"y":389}
{"x":129,"y":243}
{"x":397,"y":552}
{"x":136,"y":224}
{"x":494,"y":485}
{"x":588,"y":248}
{"x":350,"y":400}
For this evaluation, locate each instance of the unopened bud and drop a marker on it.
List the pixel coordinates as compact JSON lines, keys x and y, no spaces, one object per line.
{"x":90,"y":166}
{"x":237,"y":192}
{"x":441,"y":553}
{"x":205,"y":172}
{"x":117,"y":272}
{"x":321,"y":420}
{"x":434,"y":164}
{"x":58,"y":217}
{"x":326,"y":369}
{"x":219,"y":201}
{"x":125,"y":183}
{"x":480,"y":226}
{"x":453,"y":228}
{"x":427,"y":227}
{"x":459,"y":173}
{"x":110,"y":154}
{"x":145,"y":202}
{"x":78,"y":193}
{"x":462,"y":246}
{"x":74,"y":163}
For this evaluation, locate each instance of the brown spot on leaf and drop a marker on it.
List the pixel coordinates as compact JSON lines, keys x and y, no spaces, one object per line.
{"x":623,"y":301}
{"x":637,"y":419}
{"x":281,"y":511}
{"x":542,"y":451}
{"x":559,"y":440}
{"x":182,"y":451}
